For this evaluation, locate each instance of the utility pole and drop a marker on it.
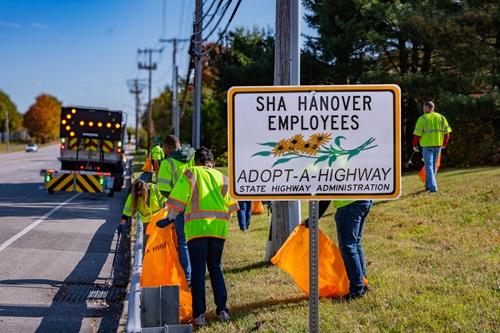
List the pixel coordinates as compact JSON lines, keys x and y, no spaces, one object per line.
{"x":197,"y":49}
{"x":150,"y":67}
{"x":136,"y":89}
{"x":286,"y":214}
{"x":7,"y":129}
{"x":175,"y":102}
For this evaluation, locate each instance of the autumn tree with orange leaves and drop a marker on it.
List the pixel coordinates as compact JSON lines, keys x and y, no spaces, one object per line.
{"x":42,"y":119}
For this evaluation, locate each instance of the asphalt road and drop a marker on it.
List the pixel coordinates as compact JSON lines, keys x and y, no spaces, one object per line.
{"x":56,"y":252}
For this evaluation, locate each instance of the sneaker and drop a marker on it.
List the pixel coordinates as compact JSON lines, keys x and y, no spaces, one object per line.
{"x":224,"y":316}
{"x":350,"y":297}
{"x":200,"y":321}
{"x":367,"y":288}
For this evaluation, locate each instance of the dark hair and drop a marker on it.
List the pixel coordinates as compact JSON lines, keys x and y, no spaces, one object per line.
{"x":203,"y":155}
{"x":430,"y":105}
{"x":172,"y":141}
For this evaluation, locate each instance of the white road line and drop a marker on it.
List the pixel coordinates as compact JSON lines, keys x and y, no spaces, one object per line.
{"x":37,"y":222}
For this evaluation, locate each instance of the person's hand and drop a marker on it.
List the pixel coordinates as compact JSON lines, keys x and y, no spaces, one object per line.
{"x":119,"y":229}
{"x":415,"y":149}
{"x":163,"y":223}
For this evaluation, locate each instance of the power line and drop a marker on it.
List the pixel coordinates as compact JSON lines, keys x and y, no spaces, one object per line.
{"x":136,"y":88}
{"x":175,"y":103}
{"x":201,"y":41}
{"x":150,"y":67}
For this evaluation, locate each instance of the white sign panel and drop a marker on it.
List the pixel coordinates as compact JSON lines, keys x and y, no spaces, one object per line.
{"x":314,"y":142}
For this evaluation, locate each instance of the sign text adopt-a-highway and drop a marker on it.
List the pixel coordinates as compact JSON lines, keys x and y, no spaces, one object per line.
{"x":314,"y":142}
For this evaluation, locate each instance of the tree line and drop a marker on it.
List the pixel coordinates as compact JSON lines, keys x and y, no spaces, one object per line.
{"x":446,"y":51}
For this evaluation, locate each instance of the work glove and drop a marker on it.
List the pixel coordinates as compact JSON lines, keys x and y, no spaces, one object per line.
{"x":163,"y":223}
{"x":119,"y":229}
{"x":416,"y":149}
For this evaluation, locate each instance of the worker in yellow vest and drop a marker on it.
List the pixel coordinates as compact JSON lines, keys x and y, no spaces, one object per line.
{"x":157,"y":155}
{"x":178,"y":160}
{"x":432,"y":133}
{"x":202,"y":193}
{"x":350,"y":219}
{"x":145,"y":199}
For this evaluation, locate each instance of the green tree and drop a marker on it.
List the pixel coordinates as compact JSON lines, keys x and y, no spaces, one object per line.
{"x":42,"y":118}
{"x":430,"y":48}
{"x":15,"y":118}
{"x":247,"y":59}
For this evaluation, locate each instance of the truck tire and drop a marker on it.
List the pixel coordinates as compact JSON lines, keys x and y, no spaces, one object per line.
{"x":118,"y":183}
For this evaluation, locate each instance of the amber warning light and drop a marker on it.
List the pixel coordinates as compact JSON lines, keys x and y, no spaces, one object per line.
{"x":96,"y":123}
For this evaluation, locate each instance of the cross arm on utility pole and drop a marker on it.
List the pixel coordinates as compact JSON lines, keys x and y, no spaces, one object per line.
{"x":136,"y":88}
{"x":150,"y":67}
{"x":175,"y":103}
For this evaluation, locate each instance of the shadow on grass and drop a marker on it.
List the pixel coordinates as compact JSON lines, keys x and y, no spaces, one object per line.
{"x":243,"y":309}
{"x":448,"y":172}
{"x":257,"y":265}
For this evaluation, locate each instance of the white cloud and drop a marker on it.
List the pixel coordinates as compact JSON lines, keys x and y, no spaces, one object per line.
{"x":11,"y":25}
{"x":39,"y":25}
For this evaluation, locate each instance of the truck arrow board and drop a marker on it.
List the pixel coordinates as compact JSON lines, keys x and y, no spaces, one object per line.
{"x":314,"y":142}
{"x":94,"y":123}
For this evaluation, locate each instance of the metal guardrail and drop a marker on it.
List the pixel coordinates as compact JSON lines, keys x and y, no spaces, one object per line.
{"x":134,"y":300}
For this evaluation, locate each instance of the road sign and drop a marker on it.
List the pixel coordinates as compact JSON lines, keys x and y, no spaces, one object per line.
{"x":314,"y":142}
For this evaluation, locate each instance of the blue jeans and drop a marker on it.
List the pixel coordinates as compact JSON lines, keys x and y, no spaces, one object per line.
{"x":206,"y":252}
{"x":350,"y":221}
{"x":244,"y":214}
{"x":182,"y":245}
{"x":430,"y":156}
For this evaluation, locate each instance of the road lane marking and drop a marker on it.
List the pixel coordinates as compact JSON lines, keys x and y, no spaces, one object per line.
{"x":37,"y":222}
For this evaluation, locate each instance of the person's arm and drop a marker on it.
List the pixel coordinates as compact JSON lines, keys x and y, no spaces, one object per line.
{"x":124,"y":219}
{"x":445,"y":139}
{"x":416,"y":139}
{"x":120,"y":227}
{"x":322,"y":207}
{"x":165,"y":193}
{"x":172,"y":215}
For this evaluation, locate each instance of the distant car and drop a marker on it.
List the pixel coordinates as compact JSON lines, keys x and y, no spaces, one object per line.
{"x":31,"y":147}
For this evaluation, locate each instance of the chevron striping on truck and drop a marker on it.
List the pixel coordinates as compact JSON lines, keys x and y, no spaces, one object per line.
{"x":88,"y":183}
{"x":62,"y":183}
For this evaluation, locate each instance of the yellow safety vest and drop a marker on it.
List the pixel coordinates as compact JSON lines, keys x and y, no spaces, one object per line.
{"x":157,"y":153}
{"x":202,"y":193}
{"x":170,"y":172}
{"x":431,"y":127}
{"x":146,"y":211}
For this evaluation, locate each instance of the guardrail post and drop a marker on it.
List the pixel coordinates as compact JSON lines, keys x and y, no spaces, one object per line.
{"x":160,"y":306}
{"x":134,"y":318}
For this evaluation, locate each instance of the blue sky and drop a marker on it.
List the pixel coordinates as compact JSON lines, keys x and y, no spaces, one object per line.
{"x":83,"y":52}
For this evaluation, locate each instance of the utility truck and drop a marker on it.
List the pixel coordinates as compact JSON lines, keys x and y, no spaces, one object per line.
{"x":91,"y":152}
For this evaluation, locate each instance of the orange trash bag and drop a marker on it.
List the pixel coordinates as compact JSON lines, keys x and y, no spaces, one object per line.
{"x":147,"y":166}
{"x":422,"y":173}
{"x":257,"y":208}
{"x":157,"y":217}
{"x":293,"y":258}
{"x":161,"y":266}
